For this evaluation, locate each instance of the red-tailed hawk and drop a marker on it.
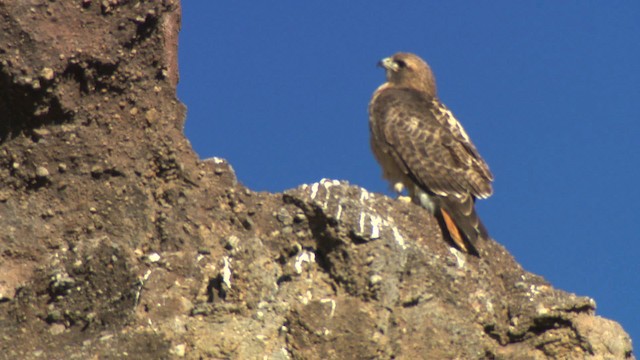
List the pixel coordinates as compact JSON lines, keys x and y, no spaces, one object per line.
{"x":423,"y":148}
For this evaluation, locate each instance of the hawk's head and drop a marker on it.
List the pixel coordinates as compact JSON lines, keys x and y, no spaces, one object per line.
{"x":409,"y":70}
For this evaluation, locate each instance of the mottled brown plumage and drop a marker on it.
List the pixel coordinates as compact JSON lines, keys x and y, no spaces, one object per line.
{"x":422,"y":147}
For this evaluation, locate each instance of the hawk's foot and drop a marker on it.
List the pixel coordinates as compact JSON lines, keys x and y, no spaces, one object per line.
{"x":404,"y":199}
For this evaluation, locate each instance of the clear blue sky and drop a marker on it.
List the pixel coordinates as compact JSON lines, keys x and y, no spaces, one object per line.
{"x":548,"y":91}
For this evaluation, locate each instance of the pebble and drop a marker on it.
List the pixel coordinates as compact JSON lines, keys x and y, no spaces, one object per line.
{"x":153,"y":257}
{"x":57,"y":329}
{"x":231,"y":242}
{"x":180,"y":350}
{"x":374,"y":279}
{"x":96,"y":170}
{"x":284,"y":217}
{"x":42,"y":172}
{"x":151,"y":115}
{"x":41,"y":132}
{"x":47,"y":74}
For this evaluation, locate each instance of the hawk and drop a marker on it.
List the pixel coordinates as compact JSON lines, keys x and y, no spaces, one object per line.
{"x":422,"y":148}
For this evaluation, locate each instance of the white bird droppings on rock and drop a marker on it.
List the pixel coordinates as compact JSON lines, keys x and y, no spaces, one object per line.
{"x":375,"y":221}
{"x":460,"y":258}
{"x":226,"y":272}
{"x":314,"y":190}
{"x":398,"y":237}
{"x":364,"y":195}
{"x":305,"y":256}
{"x":333,"y":305}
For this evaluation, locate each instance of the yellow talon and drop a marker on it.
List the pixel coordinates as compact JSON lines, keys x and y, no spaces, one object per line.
{"x":405,"y":199}
{"x":398,"y":187}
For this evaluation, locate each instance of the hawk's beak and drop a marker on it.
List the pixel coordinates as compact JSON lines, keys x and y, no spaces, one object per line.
{"x":388,"y":64}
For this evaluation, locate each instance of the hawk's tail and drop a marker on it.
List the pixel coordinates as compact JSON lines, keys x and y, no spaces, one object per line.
{"x":462,"y":223}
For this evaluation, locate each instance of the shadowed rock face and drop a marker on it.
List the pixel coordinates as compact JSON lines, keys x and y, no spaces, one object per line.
{"x":116,"y":240}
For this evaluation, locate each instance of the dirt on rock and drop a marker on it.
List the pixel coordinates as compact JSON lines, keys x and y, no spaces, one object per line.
{"x":116,"y":241}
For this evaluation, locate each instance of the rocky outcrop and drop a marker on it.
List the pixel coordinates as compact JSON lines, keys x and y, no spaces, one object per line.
{"x":117,"y":241}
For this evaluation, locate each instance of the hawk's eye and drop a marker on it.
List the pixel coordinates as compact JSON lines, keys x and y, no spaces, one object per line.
{"x":401,"y":63}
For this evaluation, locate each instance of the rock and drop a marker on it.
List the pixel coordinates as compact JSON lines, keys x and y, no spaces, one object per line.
{"x":153,"y":257}
{"x":42,"y":172}
{"x":47,"y":74}
{"x":57,"y":329}
{"x":323,"y":271}
{"x":179,"y":350}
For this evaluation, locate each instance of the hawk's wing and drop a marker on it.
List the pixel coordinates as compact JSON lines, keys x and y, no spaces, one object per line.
{"x":429,"y":144}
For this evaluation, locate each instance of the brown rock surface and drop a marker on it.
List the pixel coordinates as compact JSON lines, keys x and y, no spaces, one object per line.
{"x":117,"y":241}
